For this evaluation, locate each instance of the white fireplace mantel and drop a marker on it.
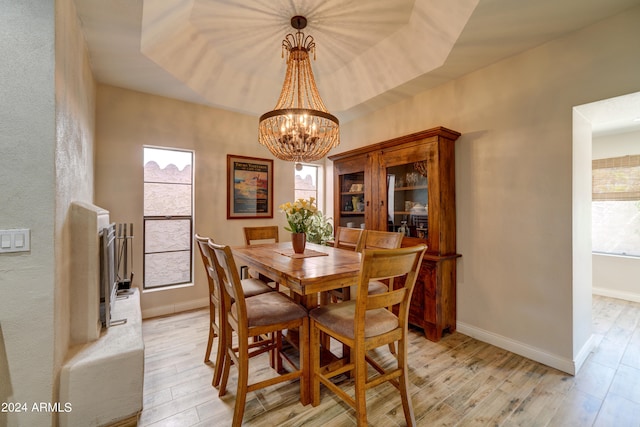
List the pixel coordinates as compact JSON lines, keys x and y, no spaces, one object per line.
{"x":103,"y":379}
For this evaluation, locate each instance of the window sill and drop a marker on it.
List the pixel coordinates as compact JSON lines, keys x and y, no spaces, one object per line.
{"x":167,"y":288}
{"x":604,"y":254}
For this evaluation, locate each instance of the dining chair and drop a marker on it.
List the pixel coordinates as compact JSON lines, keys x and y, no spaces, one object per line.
{"x":256,"y":236}
{"x":268,"y":313}
{"x":214,"y":308}
{"x":346,"y":238}
{"x":251,"y":287}
{"x":375,"y":239}
{"x":363,"y":324}
{"x":349,"y":238}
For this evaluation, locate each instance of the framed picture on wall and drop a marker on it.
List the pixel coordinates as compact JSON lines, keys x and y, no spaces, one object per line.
{"x":249,"y":187}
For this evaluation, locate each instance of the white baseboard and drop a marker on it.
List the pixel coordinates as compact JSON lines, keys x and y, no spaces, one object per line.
{"x":612,"y":293}
{"x":525,"y":350}
{"x":175,"y":308}
{"x":584,"y":352}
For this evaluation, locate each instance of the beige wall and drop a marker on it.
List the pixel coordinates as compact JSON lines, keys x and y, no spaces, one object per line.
{"x":616,"y":277}
{"x":27,"y":175}
{"x":75,"y":105}
{"x":616,"y":145}
{"x":46,"y":162}
{"x":125,"y":122}
{"x":514,"y":182}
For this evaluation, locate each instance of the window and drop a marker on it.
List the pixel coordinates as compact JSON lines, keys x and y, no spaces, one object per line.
{"x":168,"y":217}
{"x":616,"y":205}
{"x":306,"y":182}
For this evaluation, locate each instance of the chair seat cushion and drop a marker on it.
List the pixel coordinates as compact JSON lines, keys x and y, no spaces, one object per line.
{"x":252,"y":287}
{"x":271,"y":308}
{"x":340,"y":318}
{"x":376,"y":287}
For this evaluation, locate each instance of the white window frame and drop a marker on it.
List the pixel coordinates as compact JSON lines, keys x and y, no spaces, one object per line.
{"x":191,"y":219}
{"x":320,"y":196}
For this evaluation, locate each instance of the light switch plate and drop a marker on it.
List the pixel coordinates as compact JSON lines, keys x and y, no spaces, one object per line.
{"x":15,"y":240}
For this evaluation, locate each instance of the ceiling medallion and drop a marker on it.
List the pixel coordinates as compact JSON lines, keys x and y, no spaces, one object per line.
{"x":299,"y":129}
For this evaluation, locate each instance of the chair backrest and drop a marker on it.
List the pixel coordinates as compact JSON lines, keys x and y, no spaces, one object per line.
{"x":375,"y":239}
{"x":257,"y":235}
{"x":208,"y":264}
{"x":229,"y":281}
{"x":380,"y":264}
{"x":349,"y":238}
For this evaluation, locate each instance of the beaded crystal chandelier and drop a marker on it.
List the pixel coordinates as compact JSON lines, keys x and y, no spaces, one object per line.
{"x":299,"y":129}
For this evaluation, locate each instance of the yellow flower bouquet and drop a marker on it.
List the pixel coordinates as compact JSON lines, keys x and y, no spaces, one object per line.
{"x":303,"y":216}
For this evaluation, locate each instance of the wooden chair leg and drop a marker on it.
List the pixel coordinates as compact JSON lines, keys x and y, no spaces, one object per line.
{"x":407,"y":405}
{"x":212,"y":335}
{"x":314,"y":350}
{"x":277,"y":365}
{"x":305,"y":364}
{"x":360,"y":372}
{"x":243,"y":381}
{"x":273,"y":355}
{"x":226,"y":364}
{"x":220,"y":358}
{"x":392,"y":348}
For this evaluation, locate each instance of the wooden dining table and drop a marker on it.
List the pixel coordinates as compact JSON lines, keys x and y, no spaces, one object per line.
{"x":320,"y":269}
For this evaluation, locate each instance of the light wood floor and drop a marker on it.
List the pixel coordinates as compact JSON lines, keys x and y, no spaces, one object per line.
{"x":457,"y":382}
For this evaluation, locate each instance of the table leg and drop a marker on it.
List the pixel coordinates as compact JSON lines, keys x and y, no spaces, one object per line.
{"x":305,"y":354}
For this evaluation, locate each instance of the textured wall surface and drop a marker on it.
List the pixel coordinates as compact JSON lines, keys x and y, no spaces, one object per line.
{"x":47,"y":93}
{"x":514,"y":179}
{"x":27,"y":200}
{"x":126,"y":121}
{"x":75,"y":106}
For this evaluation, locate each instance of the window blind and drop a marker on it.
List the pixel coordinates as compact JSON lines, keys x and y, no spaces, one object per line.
{"x":616,"y":178}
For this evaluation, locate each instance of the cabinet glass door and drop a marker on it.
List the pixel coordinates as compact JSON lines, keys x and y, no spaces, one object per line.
{"x":352,"y":199}
{"x":407,"y":199}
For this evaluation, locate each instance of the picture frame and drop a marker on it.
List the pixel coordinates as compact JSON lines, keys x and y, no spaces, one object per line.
{"x":249,"y":187}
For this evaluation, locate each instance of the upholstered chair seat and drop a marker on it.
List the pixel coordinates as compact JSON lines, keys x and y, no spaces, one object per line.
{"x":340,"y":318}
{"x":270,"y":309}
{"x":252,"y":287}
{"x":377,"y":287}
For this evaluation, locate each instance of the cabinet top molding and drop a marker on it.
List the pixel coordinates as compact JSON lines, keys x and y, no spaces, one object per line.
{"x":437,"y":131}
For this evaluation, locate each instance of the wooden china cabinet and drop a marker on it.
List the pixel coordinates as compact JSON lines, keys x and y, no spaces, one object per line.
{"x":407,"y":184}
